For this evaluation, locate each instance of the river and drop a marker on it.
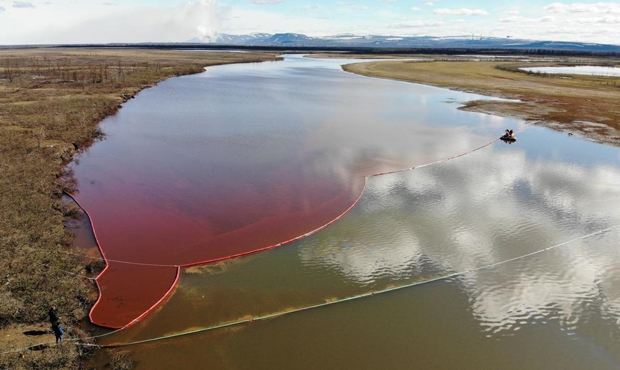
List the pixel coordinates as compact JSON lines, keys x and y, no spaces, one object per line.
{"x":242,"y":157}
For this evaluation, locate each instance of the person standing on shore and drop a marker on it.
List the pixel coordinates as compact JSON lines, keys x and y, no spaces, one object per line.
{"x":58,"y":332}
{"x":55,"y":321}
{"x":53,"y":314}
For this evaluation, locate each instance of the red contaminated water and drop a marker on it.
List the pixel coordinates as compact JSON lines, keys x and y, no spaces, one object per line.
{"x":241,"y":221}
{"x":238,"y":159}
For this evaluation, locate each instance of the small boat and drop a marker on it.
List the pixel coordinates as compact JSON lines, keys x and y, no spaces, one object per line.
{"x":508,"y":138}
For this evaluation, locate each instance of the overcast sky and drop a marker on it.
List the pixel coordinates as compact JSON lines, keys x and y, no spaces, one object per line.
{"x":78,"y":21}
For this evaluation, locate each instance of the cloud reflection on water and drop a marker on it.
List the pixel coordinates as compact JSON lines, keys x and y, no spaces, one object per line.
{"x":491,"y":206}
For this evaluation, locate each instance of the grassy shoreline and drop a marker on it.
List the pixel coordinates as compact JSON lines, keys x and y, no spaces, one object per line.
{"x":51,"y":101}
{"x":587,"y":105}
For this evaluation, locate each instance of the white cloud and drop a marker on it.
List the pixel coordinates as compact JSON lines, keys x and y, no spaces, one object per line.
{"x":351,"y":7}
{"x":242,"y":20}
{"x":566,"y":22}
{"x":99,"y":23}
{"x":460,"y":11}
{"x":506,"y":192}
{"x":265,"y":2}
{"x":511,"y":19}
{"x":22,"y":4}
{"x":602,"y":20}
{"x":594,"y":8}
{"x":70,"y":21}
{"x":418,"y":24}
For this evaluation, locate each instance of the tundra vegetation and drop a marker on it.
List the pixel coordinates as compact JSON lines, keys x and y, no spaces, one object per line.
{"x":51,"y":101}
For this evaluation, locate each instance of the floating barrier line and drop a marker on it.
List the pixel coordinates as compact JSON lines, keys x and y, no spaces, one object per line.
{"x":107,"y":266}
{"x":178,"y":266}
{"x":90,"y":220}
{"x":77,"y":341}
{"x":355,"y":297}
{"x":306,"y":308}
{"x":437,"y":161}
{"x":264,"y":248}
{"x":278,"y":314}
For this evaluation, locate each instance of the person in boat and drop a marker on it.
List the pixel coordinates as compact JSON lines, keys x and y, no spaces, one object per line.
{"x":509,"y":135}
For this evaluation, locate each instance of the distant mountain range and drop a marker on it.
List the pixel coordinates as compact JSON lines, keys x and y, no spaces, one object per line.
{"x":297,"y":40}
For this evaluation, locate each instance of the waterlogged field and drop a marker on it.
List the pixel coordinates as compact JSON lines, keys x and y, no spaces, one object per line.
{"x":241,"y":156}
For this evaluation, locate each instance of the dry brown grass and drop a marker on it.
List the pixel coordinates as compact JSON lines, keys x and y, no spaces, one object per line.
{"x":561,"y":101}
{"x":50,"y":103}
